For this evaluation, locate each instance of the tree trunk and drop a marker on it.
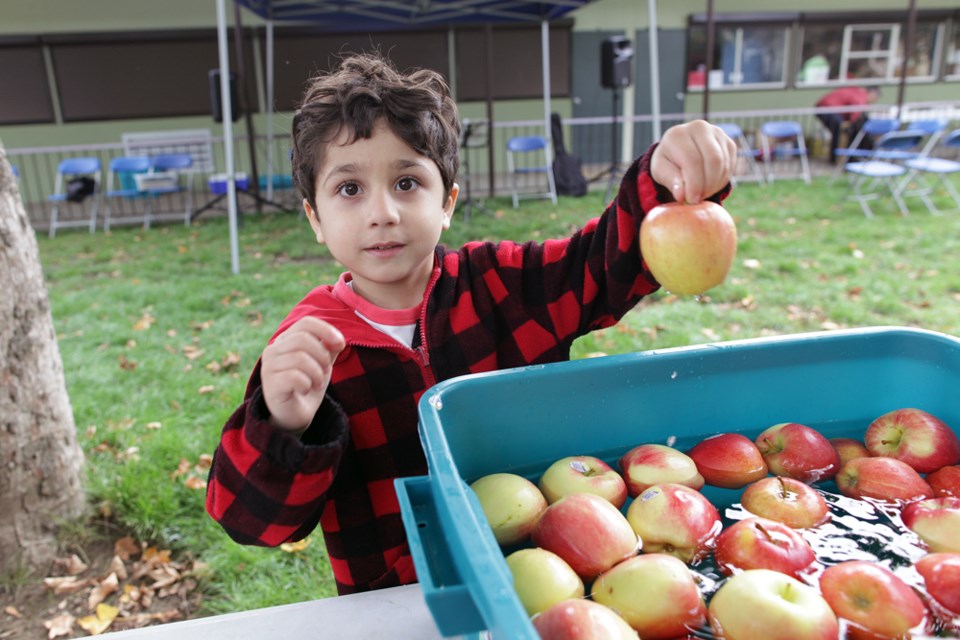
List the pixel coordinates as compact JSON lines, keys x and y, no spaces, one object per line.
{"x":41,"y":464}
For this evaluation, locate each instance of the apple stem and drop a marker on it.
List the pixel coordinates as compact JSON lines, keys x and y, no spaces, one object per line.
{"x":784,"y":492}
{"x":764,"y":531}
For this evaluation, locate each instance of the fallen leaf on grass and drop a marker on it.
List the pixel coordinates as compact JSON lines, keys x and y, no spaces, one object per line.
{"x":104,"y":588}
{"x":192,"y":352}
{"x":62,"y":585}
{"x":61,"y":625}
{"x":12,"y":611}
{"x":98,"y":623}
{"x":207,"y":388}
{"x":145,"y":322}
{"x":294,"y":547}
{"x":72,"y":566}
{"x":126,"y":548}
{"x":126,"y":363}
{"x":195,"y":483}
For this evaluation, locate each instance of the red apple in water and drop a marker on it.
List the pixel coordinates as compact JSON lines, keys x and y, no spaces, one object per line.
{"x":688,"y":248}
{"x":769,"y":605}
{"x":794,"y":503}
{"x":583,"y":474}
{"x":541,"y":579}
{"x":512,"y":505}
{"x":579,"y":619}
{"x":655,"y":593}
{"x":936,"y":521}
{"x":941,"y":578}
{"x":945,"y":481}
{"x":675,"y":520}
{"x":758,"y":543}
{"x":849,"y":448}
{"x":649,"y":464}
{"x":588,"y":532}
{"x":873,"y":598}
{"x":797,"y":451}
{"x":729,"y":460}
{"x":914,"y":436}
{"x":881,"y":479}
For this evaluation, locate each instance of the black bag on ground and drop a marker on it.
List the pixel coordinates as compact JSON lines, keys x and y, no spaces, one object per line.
{"x":80,"y":187}
{"x":567,"y":170}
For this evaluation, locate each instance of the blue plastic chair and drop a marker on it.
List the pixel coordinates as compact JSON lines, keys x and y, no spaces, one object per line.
{"x":73,"y":168}
{"x":783,"y":139}
{"x":122,"y":186}
{"x":745,"y":151}
{"x":874,"y":127}
{"x":884,"y":170}
{"x":171,"y":168}
{"x":532,"y":151}
{"x":921,"y":169}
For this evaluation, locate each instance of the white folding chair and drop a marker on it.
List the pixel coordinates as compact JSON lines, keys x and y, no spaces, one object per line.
{"x":884,"y":170}
{"x":873,"y":127}
{"x":528,"y":155}
{"x":122,"y":192}
{"x":745,"y":151}
{"x":782,"y":140}
{"x":929,"y":171}
{"x":68,"y":169}
{"x":170,"y":173}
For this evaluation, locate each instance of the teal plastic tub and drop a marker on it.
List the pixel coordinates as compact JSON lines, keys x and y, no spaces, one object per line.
{"x":522,"y":420}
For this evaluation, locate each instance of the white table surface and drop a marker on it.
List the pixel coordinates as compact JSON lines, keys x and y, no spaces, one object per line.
{"x":398,"y":613}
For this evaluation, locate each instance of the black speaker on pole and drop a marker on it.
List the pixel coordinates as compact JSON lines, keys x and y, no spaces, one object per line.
{"x":616,"y":54}
{"x":216,"y":103}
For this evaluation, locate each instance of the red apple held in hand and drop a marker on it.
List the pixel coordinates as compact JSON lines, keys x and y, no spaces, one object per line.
{"x":758,"y":543}
{"x":872,"y":597}
{"x":797,"y":451}
{"x":945,"y":482}
{"x":885,"y":479}
{"x":512,"y":504}
{"x":914,"y":436}
{"x":588,"y":532}
{"x":941,"y":578}
{"x":936,"y":521}
{"x":649,"y":464}
{"x":794,"y":503}
{"x":688,"y":248}
{"x":729,"y":460}
{"x":676,"y":520}
{"x":760,"y":603}
{"x":582,"y":620}
{"x":849,"y":448}
{"x":583,"y":474}
{"x":655,"y":593}
{"x":541,"y":579}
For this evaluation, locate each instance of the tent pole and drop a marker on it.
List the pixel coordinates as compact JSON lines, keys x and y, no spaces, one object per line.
{"x":710,"y":36}
{"x":652,"y":29}
{"x":270,"y":107}
{"x":227,"y":109}
{"x":488,"y":77}
{"x":545,"y":55}
{"x":907,"y":51}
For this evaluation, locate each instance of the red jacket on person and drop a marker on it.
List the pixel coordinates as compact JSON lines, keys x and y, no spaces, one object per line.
{"x":487,"y":307}
{"x":846,"y":97}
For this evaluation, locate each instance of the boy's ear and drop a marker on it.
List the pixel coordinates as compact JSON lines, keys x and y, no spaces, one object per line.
{"x":314,"y":220}
{"x":450,"y":205}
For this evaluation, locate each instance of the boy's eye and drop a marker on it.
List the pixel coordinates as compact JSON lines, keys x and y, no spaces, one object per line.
{"x":406,"y":184}
{"x":349,"y":189}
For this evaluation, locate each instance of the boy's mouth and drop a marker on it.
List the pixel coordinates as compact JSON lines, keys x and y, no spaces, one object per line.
{"x":385,"y":246}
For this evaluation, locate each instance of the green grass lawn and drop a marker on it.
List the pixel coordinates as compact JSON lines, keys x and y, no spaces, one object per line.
{"x":158,"y":336}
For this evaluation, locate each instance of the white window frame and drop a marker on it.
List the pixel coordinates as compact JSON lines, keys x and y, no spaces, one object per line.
{"x":846,"y":55}
{"x":737,"y":72}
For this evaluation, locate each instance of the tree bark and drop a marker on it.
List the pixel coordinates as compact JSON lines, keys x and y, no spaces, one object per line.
{"x":41,"y":463}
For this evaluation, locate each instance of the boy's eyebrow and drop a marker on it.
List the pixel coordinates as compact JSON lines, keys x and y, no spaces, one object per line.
{"x":350,"y":168}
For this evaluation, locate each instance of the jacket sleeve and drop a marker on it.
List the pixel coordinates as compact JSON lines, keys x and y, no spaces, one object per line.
{"x":267,"y":486}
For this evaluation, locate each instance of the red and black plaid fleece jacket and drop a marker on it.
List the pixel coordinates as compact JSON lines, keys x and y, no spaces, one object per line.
{"x":487,"y":307}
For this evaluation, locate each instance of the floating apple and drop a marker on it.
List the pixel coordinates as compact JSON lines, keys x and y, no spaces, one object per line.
{"x":541,"y":579}
{"x":794,"y":503}
{"x":729,"y":460}
{"x":914,"y":436}
{"x":873,"y":598}
{"x":945,"y":481}
{"x":582,"y":620}
{"x":588,"y":532}
{"x":936,"y":521}
{"x":760,"y":603}
{"x":849,"y":448}
{"x":583,"y":474}
{"x":655,"y":593}
{"x":688,"y":248}
{"x":941,"y":577}
{"x":649,"y":464}
{"x":881,"y":478}
{"x":512,"y":504}
{"x":676,"y":520}
{"x":758,"y":543}
{"x":797,"y":451}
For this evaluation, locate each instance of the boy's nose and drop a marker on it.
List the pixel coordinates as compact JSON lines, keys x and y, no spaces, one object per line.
{"x":384,"y":210}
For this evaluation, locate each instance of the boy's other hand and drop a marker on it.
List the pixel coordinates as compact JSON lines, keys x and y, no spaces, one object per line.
{"x":694,"y":161}
{"x":295,"y":370}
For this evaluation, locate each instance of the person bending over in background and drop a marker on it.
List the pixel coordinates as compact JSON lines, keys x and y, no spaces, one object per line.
{"x":329,"y":417}
{"x":834,"y":121}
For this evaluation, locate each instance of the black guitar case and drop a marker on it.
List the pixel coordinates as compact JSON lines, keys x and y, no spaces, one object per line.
{"x":567,"y":169}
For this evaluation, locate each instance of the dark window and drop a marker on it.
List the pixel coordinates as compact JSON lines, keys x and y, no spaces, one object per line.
{"x":23,"y":78}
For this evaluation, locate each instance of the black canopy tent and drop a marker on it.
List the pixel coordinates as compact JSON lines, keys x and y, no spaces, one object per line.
{"x":373,"y":15}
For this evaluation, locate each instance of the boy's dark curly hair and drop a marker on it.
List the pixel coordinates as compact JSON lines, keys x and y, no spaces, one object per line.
{"x":417,"y":106}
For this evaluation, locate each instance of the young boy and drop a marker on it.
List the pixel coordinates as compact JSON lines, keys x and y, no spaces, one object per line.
{"x":329,"y":417}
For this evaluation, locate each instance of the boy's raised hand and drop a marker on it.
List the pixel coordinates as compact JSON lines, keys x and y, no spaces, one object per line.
{"x":694,"y":161}
{"x":295,"y":370}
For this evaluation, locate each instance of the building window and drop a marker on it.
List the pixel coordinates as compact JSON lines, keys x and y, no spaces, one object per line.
{"x":952,"y":70}
{"x":743,"y":56}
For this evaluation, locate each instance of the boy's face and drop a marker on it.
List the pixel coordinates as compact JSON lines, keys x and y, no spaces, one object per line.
{"x":380,"y":211}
